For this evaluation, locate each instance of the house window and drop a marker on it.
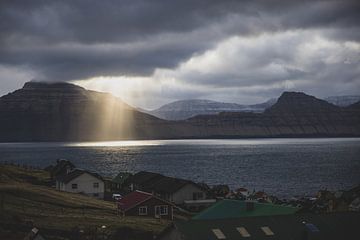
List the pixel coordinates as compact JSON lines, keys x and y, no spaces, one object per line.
{"x":74,"y":186}
{"x":143,"y":210}
{"x":161,"y":210}
{"x":96,"y":185}
{"x":198,"y":195}
{"x":96,"y":194}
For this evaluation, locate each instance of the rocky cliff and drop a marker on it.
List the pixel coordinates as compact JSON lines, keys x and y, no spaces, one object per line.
{"x":293,"y":115}
{"x":66,"y":112}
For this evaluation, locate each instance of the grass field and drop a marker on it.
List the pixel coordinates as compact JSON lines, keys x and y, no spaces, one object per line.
{"x":25,"y":200}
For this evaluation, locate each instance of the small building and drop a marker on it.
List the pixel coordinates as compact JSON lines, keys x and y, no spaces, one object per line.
{"x":145,"y":204}
{"x":332,"y":226}
{"x":81,"y":181}
{"x":142,"y":180}
{"x":243,"y":192}
{"x":236,"y":208}
{"x":172,"y":189}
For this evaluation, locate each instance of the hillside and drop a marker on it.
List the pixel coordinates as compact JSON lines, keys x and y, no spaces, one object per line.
{"x":184,"y":109}
{"x":66,"y":112}
{"x":293,"y":115}
{"x":26,"y":201}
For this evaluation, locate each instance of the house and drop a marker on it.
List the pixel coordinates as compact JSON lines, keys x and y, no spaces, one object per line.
{"x":62,"y":167}
{"x":243,"y":192}
{"x":145,"y":204}
{"x":172,"y":189}
{"x":333,"y":226}
{"x":236,"y":209}
{"x":81,"y":181}
{"x":142,"y":179}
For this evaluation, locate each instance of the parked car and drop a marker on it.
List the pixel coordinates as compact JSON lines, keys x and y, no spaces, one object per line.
{"x":116,"y":196}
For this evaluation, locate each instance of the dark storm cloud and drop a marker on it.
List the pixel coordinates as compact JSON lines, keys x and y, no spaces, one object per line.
{"x":109,"y":21}
{"x":37,"y":34}
{"x":67,"y":40}
{"x":239,"y":51}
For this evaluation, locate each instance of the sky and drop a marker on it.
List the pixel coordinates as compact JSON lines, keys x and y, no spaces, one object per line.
{"x":154,"y":52}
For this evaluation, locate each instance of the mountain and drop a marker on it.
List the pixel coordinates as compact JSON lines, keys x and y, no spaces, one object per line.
{"x":184,"y":109}
{"x":299,"y":103}
{"x":293,"y":115}
{"x":66,"y":112}
{"x":343,"y":101}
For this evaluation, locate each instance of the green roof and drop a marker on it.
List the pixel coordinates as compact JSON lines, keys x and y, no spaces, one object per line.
{"x":339,"y":225}
{"x":121,"y":177}
{"x":236,"y":208}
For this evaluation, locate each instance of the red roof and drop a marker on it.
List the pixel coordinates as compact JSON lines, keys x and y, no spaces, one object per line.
{"x":133,"y":199}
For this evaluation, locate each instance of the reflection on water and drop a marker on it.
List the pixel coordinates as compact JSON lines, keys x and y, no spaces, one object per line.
{"x":128,"y":143}
{"x":281,"y":166}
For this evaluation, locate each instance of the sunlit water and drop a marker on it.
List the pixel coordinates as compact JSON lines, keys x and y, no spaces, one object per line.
{"x":284,"y":167}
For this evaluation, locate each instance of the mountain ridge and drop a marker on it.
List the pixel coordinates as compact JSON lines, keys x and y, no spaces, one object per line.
{"x":59,"y":112}
{"x":343,"y":101}
{"x":184,"y":109}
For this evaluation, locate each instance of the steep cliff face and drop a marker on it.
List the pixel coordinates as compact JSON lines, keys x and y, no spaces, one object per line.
{"x":65,"y":112}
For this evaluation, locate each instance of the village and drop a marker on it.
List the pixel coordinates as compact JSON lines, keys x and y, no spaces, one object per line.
{"x":198,"y":211}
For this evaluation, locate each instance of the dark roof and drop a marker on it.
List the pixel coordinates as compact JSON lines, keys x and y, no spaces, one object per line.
{"x":144,"y":177}
{"x":159,"y":183}
{"x":297,"y":227}
{"x":76,"y":173}
{"x":236,"y":208}
{"x":167,"y":184}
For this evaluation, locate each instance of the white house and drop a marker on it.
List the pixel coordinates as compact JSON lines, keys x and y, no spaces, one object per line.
{"x":81,"y":181}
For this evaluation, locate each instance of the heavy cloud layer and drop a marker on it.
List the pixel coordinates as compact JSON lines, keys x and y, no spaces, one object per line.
{"x":239,"y":51}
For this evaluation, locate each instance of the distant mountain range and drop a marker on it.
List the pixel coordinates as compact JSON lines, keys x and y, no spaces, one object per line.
{"x":181,"y":110}
{"x":184,"y":109}
{"x":343,"y":101}
{"x":66,"y":112}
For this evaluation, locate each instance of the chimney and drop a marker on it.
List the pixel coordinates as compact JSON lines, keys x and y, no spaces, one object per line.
{"x":250,"y":205}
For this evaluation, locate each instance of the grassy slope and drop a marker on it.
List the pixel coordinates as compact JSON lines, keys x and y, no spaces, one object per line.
{"x":24,"y":201}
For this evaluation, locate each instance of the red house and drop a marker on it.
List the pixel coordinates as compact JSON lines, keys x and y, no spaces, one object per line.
{"x":145,"y":204}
